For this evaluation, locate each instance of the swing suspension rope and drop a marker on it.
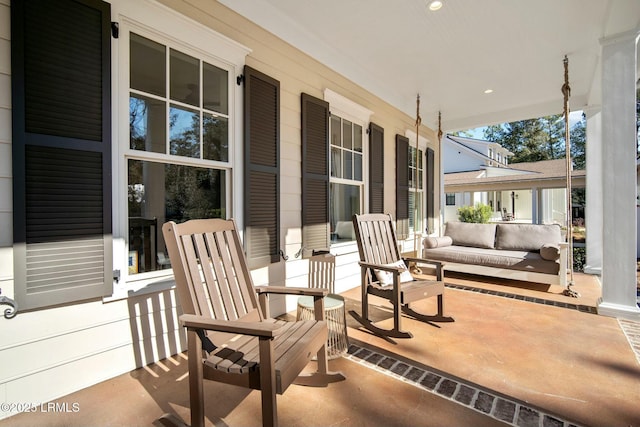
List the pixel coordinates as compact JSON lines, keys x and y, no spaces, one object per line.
{"x":415,"y":178}
{"x":566,"y":91}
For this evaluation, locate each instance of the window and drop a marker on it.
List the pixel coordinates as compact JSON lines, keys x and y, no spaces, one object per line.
{"x":347,"y":165}
{"x":346,"y":182}
{"x":178,"y":158}
{"x":451,"y":199}
{"x":416,"y":189}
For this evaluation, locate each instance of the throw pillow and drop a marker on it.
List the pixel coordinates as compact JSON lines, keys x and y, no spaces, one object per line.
{"x":549,"y":252}
{"x":437,"y":242}
{"x":386,"y":277}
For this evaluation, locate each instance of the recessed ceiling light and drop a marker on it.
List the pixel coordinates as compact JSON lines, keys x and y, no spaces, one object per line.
{"x":435,"y":5}
{"x":488,"y":91}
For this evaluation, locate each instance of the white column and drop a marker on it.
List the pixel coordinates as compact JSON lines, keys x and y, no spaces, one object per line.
{"x":535,"y":199}
{"x":594,"y":204}
{"x":619,"y":60}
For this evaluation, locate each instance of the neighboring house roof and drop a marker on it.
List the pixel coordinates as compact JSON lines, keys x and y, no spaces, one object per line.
{"x":542,"y":174}
{"x":471,"y":147}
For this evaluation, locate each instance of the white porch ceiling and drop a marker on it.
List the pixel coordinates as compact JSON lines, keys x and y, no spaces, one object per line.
{"x":397,"y":49}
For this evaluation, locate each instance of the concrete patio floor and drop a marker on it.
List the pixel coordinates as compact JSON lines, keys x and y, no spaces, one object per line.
{"x":517,"y":354}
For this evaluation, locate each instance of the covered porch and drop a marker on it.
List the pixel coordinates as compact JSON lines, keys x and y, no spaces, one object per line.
{"x":518,"y":354}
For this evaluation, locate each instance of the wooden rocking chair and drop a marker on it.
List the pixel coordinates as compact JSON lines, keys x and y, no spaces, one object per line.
{"x":231,"y":338}
{"x":385,"y":274}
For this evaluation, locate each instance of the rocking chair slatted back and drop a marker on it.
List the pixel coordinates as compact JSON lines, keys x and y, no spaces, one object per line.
{"x":322,"y":272}
{"x":221,"y":286}
{"x":377,"y":241}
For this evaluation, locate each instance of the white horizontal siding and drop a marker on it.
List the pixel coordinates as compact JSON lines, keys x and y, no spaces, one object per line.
{"x":49,"y":353}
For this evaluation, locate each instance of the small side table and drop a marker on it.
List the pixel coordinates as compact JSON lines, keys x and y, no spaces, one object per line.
{"x":335,"y":316}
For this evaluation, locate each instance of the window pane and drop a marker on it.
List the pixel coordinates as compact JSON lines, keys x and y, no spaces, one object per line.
{"x":415,"y":211}
{"x":357,"y":138}
{"x":184,"y":132}
{"x":147,"y":65}
{"x":335,"y":131}
{"x":357,"y":167}
{"x":345,"y":202}
{"x":348,"y":165}
{"x":160,"y":192}
{"x":347,"y":134}
{"x":185,"y":78}
{"x":215,"y":89}
{"x":147,"y":129}
{"x":215,"y":140}
{"x":336,"y":162}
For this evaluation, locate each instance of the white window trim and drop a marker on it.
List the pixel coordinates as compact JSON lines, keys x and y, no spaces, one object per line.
{"x":158,"y":22}
{"x":349,"y":110}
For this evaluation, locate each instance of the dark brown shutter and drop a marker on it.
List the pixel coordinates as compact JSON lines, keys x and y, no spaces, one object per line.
{"x":315,"y":173}
{"x":431,"y":208}
{"x":61,"y":94}
{"x":376,"y":169}
{"x":262,"y":167}
{"x":402,"y":186}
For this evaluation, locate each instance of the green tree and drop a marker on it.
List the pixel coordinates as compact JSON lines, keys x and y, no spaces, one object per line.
{"x":529,"y":140}
{"x":578,"y":139}
{"x":538,"y":139}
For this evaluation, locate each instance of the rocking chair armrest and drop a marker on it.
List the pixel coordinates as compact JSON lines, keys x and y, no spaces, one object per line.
{"x":257,"y":329}
{"x":380,"y":267}
{"x":424,"y":261}
{"x":314,"y":292}
{"x":436,"y":264}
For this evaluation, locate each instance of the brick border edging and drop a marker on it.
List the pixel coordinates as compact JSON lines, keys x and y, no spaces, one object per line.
{"x":580,"y":307}
{"x":472,"y":396}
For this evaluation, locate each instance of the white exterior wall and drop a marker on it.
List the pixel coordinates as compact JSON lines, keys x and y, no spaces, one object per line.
{"x":458,"y":160}
{"x":48,"y":353}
